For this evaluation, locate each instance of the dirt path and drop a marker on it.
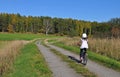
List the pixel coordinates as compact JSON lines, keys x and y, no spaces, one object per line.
{"x":99,"y":70}
{"x":57,"y":66}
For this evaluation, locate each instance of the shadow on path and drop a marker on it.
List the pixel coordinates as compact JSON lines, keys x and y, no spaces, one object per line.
{"x":74,"y":59}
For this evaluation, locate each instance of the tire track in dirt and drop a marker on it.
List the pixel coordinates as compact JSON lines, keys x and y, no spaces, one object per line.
{"x":57,"y":66}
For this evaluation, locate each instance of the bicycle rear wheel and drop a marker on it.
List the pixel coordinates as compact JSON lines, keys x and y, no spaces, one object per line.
{"x":85,"y":59}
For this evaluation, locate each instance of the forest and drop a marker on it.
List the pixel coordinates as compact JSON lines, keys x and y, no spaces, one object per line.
{"x":15,"y":23}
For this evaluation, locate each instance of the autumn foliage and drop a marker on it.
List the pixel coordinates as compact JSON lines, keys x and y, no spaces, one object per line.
{"x":43,"y":24}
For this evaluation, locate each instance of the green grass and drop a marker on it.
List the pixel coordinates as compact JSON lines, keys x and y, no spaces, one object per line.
{"x":30,"y":63}
{"x":23,"y":36}
{"x":111,"y":63}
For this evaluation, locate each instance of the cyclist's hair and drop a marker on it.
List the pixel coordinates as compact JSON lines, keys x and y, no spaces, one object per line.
{"x":84,"y":38}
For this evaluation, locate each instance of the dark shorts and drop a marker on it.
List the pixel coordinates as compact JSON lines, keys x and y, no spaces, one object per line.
{"x":83,"y":51}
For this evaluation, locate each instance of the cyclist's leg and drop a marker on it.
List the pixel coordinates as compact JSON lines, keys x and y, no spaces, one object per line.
{"x":84,"y":52}
{"x":81,"y":54}
{"x":84,"y":56}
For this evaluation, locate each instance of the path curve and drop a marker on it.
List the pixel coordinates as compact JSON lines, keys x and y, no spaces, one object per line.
{"x":57,"y":66}
{"x":99,"y":70}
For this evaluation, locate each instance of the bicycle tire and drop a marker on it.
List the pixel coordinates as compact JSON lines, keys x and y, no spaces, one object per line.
{"x":85,"y":59}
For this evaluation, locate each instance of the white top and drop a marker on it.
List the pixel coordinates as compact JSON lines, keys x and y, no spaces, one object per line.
{"x":84,"y":44}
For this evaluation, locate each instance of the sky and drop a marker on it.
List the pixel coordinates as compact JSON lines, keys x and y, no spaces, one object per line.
{"x":88,"y":10}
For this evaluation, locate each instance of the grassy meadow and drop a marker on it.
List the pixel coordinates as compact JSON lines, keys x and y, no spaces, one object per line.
{"x":107,"y":47}
{"x":8,"y":53}
{"x":20,"y":58}
{"x":14,"y":54}
{"x":22,"y":36}
{"x":29,"y":63}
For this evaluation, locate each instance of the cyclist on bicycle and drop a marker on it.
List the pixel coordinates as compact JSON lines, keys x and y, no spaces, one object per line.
{"x":84,"y":46}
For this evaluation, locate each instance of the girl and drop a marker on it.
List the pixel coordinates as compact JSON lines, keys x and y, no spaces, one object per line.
{"x":84,"y":46}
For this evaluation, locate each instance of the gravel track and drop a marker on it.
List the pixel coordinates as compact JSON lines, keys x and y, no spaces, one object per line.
{"x":57,"y":66}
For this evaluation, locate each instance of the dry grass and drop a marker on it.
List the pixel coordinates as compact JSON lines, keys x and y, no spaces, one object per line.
{"x":3,"y":43}
{"x":70,"y":41}
{"x":8,"y":52}
{"x":107,"y":47}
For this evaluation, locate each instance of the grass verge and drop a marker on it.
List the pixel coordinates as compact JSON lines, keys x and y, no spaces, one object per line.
{"x":77,"y":67}
{"x":8,"y":54}
{"x":111,"y":63}
{"x":30,"y":63}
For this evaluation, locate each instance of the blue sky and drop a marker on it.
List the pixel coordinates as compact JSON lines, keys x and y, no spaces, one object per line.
{"x":89,"y":10}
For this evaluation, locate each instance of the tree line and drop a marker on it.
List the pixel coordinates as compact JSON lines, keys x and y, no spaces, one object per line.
{"x":43,"y":24}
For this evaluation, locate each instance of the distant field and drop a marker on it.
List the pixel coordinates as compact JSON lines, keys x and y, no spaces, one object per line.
{"x":20,"y":36}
